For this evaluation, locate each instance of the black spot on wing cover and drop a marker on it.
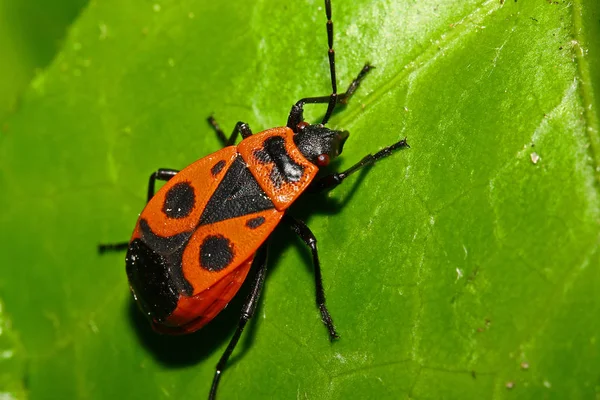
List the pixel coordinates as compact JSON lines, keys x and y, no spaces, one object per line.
{"x":255,"y":222}
{"x":179,"y":200}
{"x":216,"y":253}
{"x":217,"y":168}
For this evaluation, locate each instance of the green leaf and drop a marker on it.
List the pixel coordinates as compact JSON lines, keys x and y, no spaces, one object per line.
{"x":12,"y":360}
{"x":464,"y":267}
{"x":30,"y":35}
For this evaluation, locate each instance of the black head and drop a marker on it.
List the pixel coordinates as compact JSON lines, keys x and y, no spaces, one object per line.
{"x":319,"y":144}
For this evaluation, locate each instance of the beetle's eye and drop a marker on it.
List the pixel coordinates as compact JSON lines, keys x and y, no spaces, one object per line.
{"x":322,"y":160}
{"x":302,"y":125}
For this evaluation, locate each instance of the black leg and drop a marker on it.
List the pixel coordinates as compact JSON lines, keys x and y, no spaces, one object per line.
{"x":260,"y":262}
{"x":103,"y":248}
{"x":241,"y":128}
{"x":308,"y":237}
{"x":344,"y":98}
{"x":297,"y":113}
{"x":329,"y":182}
{"x":163,"y":174}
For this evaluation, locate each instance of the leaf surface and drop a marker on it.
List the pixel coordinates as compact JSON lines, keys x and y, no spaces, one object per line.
{"x":464,"y":267}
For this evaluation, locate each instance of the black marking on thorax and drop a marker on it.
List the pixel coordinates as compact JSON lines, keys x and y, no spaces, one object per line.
{"x":238,"y":194}
{"x":285,"y":169}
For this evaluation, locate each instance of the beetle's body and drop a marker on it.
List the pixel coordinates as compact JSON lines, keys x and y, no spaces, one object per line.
{"x":197,"y":236}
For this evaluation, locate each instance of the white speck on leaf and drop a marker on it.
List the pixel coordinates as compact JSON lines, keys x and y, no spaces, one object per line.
{"x":459,"y":273}
{"x":340,"y":358}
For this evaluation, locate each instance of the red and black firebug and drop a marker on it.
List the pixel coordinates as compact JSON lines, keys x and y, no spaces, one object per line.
{"x":203,"y":231}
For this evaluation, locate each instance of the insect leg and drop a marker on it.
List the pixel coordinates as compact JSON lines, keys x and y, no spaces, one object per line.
{"x":329,"y":182}
{"x":103,"y":248}
{"x":297,"y":113}
{"x":344,"y":98}
{"x":162,"y":174}
{"x":240,"y":128}
{"x":260,"y":262}
{"x":304,"y":232}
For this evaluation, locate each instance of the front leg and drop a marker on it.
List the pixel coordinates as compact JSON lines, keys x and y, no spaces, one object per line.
{"x":330,"y":181}
{"x":297,"y":112}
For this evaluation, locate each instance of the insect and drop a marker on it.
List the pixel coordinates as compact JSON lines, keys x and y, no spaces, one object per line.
{"x":199,"y":236}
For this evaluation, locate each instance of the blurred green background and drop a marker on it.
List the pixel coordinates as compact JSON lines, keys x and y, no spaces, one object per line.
{"x":465,"y":267}
{"x":31,"y":33}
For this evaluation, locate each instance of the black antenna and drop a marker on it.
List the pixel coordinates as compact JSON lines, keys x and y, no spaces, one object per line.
{"x":331,"y":54}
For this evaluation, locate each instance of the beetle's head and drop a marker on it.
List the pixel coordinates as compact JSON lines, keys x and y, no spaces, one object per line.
{"x":319,"y":144}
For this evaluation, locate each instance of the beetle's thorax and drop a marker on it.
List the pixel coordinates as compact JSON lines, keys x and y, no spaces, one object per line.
{"x":279,"y":167}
